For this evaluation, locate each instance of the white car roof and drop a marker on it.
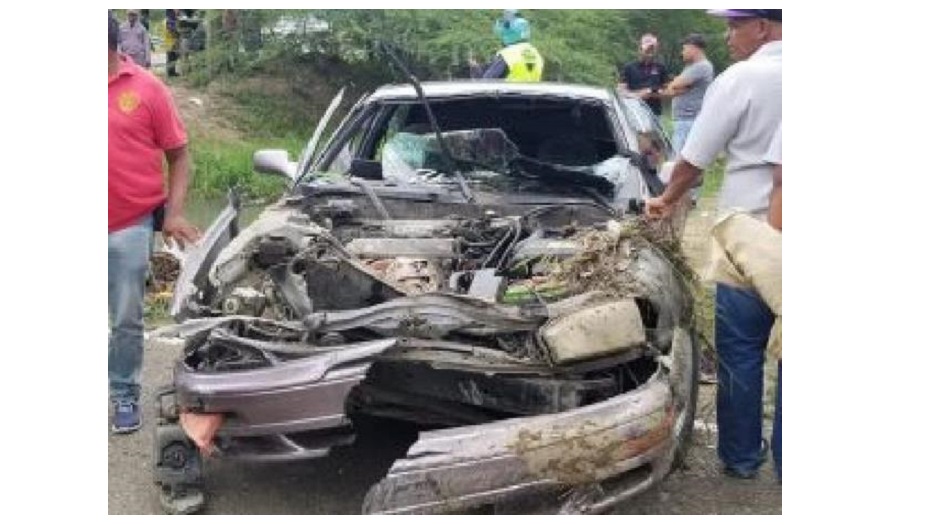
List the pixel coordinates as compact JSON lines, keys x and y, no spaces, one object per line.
{"x":490,"y":87}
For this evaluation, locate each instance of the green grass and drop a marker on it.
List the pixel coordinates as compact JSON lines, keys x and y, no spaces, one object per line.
{"x":220,"y":165}
{"x":155,"y":312}
{"x":714,"y":176}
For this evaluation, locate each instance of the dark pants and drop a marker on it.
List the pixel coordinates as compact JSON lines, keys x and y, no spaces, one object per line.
{"x":172,"y":60}
{"x":742,"y":326}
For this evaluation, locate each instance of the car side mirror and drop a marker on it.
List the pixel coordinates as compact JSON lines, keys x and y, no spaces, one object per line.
{"x":274,"y":162}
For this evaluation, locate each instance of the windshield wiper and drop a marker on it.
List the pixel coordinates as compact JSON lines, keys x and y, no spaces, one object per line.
{"x":447,"y":155}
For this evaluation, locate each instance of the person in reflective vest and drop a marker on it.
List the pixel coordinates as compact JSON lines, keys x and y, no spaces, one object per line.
{"x":519,"y":60}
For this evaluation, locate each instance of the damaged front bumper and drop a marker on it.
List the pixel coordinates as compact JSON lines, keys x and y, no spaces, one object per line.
{"x":468,"y":467}
{"x":598,"y":455}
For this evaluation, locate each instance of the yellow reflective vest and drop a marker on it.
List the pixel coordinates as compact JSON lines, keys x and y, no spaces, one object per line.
{"x":525,"y":63}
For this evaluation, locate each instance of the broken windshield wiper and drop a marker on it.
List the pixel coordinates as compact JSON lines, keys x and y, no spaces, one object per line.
{"x":444,"y":148}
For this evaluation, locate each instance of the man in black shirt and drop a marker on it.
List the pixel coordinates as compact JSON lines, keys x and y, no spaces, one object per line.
{"x":645,"y":77}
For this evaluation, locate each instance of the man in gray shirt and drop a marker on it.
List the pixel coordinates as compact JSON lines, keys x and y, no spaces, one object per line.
{"x":688,"y":89}
{"x":740,"y":115}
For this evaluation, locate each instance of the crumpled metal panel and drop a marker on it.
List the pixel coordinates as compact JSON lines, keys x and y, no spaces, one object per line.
{"x":194,"y":263}
{"x":430,"y":315}
{"x":459,"y":468}
{"x":281,"y":221}
{"x":292,"y":396}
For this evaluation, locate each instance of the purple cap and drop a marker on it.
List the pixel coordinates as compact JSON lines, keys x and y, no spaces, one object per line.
{"x":769,"y":14}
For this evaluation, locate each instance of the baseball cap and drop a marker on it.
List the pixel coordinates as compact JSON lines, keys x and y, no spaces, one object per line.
{"x":696,"y":40}
{"x":769,"y":14}
{"x":647,"y":41}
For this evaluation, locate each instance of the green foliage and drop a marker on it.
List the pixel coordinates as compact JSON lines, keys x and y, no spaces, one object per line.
{"x":578,"y":45}
{"x":713,"y":178}
{"x":220,"y":165}
{"x":312,"y":53}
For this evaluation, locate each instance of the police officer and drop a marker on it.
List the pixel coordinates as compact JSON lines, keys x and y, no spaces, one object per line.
{"x":519,"y":60}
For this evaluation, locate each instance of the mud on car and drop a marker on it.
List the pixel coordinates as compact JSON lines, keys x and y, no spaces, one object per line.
{"x":465,"y":257}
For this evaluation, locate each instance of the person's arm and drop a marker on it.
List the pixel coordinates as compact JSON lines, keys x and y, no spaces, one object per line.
{"x":683,"y":177}
{"x":171,"y":137}
{"x":690,"y":74}
{"x":775,"y":202}
{"x":679,"y":85}
{"x":497,"y":69}
{"x":774,"y":157}
{"x":714,"y":127}
{"x":176,"y":226}
{"x":656,"y":92}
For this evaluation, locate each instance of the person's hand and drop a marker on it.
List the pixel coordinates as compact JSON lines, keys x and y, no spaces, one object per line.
{"x":657,"y":208}
{"x":644,"y":93}
{"x":179,"y":230}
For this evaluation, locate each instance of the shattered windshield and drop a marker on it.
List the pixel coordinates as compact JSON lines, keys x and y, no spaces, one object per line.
{"x":413,"y":157}
{"x":500,"y":143}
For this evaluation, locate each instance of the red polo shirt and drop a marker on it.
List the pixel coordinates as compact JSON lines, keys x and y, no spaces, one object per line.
{"x":143,"y":124}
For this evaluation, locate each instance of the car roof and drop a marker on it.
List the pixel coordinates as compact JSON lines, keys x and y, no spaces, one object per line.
{"x":491,"y":87}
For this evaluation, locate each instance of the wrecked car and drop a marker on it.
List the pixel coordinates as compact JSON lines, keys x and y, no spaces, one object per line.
{"x":466,"y":257}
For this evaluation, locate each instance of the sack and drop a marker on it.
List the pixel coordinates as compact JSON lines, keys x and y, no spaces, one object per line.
{"x":747,"y":253}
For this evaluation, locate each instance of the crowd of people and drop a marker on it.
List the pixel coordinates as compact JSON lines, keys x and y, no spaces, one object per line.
{"x":182,"y":31}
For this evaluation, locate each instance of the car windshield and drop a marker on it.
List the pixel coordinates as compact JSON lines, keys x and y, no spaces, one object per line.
{"x":493,"y":140}
{"x":414,"y":157}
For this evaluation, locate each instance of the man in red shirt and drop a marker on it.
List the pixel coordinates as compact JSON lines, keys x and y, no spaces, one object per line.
{"x":144,"y":128}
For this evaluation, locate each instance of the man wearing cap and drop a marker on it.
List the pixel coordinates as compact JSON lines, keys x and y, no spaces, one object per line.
{"x":645,"y":77}
{"x":740,"y":114}
{"x":134,"y":39}
{"x":144,"y":130}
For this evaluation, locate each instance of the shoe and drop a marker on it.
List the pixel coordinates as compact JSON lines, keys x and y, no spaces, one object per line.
{"x":751,"y":473}
{"x":127,"y":417}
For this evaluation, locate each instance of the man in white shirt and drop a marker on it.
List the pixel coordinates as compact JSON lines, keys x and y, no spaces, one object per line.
{"x":774,"y":157}
{"x":740,"y":114}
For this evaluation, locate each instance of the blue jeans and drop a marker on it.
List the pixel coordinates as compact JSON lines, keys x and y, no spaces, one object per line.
{"x":680,"y":132}
{"x":128,"y":262}
{"x":742,"y":326}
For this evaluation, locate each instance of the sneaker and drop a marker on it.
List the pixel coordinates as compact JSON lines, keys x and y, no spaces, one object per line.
{"x":749,"y":473}
{"x":127,"y":417}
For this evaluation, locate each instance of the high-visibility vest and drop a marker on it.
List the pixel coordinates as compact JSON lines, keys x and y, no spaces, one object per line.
{"x":525,"y":63}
